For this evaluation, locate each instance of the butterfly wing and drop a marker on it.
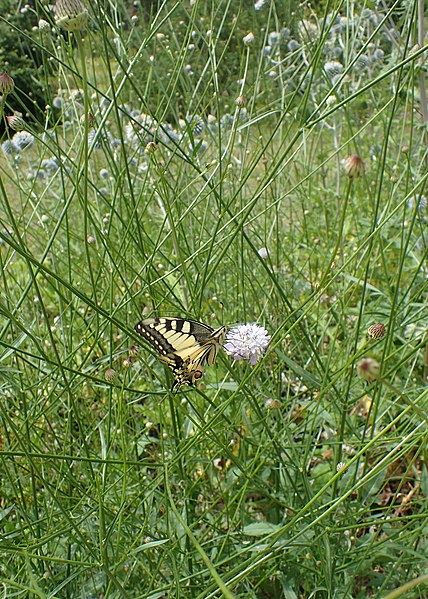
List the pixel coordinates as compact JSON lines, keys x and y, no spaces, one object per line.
{"x":184,"y":345}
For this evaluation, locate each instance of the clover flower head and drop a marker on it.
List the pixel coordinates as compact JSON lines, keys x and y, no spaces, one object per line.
{"x":247,"y":342}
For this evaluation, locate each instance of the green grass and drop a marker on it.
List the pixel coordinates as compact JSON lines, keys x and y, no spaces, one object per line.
{"x":293,"y":478}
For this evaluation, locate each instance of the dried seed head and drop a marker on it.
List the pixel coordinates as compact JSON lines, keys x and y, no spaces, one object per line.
{"x":376,"y":331}
{"x":110,"y":374}
{"x":240,"y":101}
{"x":7,"y":84}
{"x":354,"y":166}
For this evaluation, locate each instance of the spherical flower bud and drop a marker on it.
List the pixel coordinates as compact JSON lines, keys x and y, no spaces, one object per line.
{"x":70,"y":15}
{"x":90,"y":240}
{"x":368,"y":369}
{"x":110,"y":374}
{"x":354,"y":166}
{"x":247,"y":342}
{"x":248,"y":39}
{"x":240,"y":101}
{"x":7,"y":84}
{"x":16,"y":122}
{"x":263,"y":253}
{"x":376,"y":331}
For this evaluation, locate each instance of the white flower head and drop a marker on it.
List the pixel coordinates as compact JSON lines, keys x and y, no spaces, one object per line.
{"x":249,"y":39}
{"x":247,"y":342}
{"x":22,"y":140}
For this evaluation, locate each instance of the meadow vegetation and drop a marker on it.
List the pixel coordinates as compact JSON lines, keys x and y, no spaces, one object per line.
{"x":230,"y":162}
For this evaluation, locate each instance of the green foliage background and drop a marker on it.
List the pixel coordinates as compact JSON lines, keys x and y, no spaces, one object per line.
{"x":147,"y":190}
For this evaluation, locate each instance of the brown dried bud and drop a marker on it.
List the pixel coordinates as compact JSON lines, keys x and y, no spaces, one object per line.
{"x":376,"y":331}
{"x":7,"y":84}
{"x":354,"y":166}
{"x":16,"y":122}
{"x":240,"y":101}
{"x":110,"y":374}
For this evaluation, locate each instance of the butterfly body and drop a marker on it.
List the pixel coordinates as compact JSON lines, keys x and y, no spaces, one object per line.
{"x":184,"y":345}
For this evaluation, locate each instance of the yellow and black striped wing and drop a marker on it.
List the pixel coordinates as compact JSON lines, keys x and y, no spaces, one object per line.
{"x":185,"y":345}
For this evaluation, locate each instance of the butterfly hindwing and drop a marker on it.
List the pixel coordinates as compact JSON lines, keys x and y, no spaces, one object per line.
{"x":184,"y":345}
